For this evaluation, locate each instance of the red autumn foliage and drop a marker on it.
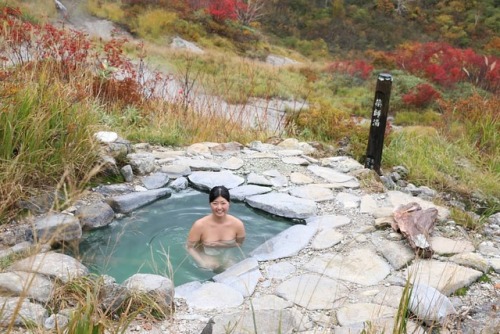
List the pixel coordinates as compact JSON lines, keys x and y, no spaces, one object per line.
{"x":26,"y":42}
{"x":481,"y":118}
{"x":446,"y":65}
{"x":421,"y":96}
{"x":222,"y":10}
{"x":356,"y":68}
{"x":70,"y":51}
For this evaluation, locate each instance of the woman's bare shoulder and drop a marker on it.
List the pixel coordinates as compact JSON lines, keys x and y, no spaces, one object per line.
{"x":235,"y":220}
{"x":201,"y":221}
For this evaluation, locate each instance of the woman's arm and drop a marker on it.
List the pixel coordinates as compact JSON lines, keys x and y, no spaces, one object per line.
{"x":193,"y":246}
{"x":240,"y":232}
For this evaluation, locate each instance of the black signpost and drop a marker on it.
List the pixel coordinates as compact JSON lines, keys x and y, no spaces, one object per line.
{"x":378,"y":122}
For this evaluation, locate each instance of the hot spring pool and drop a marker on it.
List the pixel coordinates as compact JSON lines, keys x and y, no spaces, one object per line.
{"x":152,"y":238}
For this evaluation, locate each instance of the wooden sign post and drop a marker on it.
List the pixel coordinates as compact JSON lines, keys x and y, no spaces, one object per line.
{"x":378,"y":122}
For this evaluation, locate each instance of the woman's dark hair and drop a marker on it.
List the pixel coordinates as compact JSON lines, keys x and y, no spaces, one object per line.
{"x":219,"y":191}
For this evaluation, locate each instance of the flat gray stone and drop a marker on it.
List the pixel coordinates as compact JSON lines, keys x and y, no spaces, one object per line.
{"x":348,"y":200}
{"x":280,"y":270}
{"x":52,"y":264}
{"x":198,"y":149}
{"x":30,"y":285}
{"x":289,"y":153}
{"x":114,"y":189}
{"x":299,"y":178}
{"x":95,"y":215}
{"x":379,"y":325}
{"x":269,"y":302}
{"x":285,"y":244}
{"x":342,"y":164}
{"x":388,"y":296}
{"x":208,"y":180}
{"x":283,"y":205}
{"x":241,"y":192}
{"x":176,"y":171}
{"x":352,"y":184}
{"x":243,"y":276}
{"x":266,"y":321}
{"x":257,"y":179}
{"x":184,"y":290}
{"x":277,"y":179}
{"x":447,"y":246}
{"x":330,"y":174}
{"x":155,"y":180}
{"x":326,"y":239}
{"x":214,"y":296}
{"x":398,"y":254}
{"x":489,"y":248}
{"x":367,"y":204}
{"x":447,"y":277}
{"x":361,"y":266}
{"x":495,"y":264}
{"x":313,"y":192}
{"x":328,"y":222}
{"x":167,"y":154}
{"x":130,"y":202}
{"x":57,"y":227}
{"x":471,"y":260}
{"x":23,"y":312}
{"x":382,"y":212}
{"x":233,"y":163}
{"x":263,"y":155}
{"x":199,"y":164}
{"x":362,"y":312}
{"x":314,"y":292}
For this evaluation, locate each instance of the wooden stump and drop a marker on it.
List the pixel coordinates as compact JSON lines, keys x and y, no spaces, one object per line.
{"x":416,"y":225}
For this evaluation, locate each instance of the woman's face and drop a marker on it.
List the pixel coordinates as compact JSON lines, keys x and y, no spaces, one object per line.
{"x":220,"y":206}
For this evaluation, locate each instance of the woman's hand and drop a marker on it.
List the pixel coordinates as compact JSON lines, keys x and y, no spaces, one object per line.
{"x":209,"y":263}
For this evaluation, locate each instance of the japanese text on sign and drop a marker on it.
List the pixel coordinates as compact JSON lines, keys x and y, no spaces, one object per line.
{"x":377,"y":112}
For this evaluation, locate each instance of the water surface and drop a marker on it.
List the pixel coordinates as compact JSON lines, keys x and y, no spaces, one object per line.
{"x":152,"y":239}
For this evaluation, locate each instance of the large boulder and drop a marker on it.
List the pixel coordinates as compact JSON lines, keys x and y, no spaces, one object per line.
{"x":59,"y":227}
{"x":95,"y":215}
{"x":52,"y":264}
{"x":159,"y":288}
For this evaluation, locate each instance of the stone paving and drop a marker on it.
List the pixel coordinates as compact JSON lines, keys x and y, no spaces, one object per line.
{"x":340,"y":268}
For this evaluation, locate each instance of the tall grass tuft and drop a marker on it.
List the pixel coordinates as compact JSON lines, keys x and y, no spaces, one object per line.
{"x":434,"y":160}
{"x":88,"y":313}
{"x":46,"y":133}
{"x":401,"y":318}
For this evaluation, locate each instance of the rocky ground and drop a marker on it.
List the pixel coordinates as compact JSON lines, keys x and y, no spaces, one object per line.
{"x":477,"y":306}
{"x":373,"y":259}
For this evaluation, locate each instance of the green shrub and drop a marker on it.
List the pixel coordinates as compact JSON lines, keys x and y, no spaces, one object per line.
{"x":427,"y":118}
{"x":154,"y":23}
{"x":107,"y":10}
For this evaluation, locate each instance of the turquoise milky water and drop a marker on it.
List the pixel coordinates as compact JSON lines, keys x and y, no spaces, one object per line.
{"x":152,"y":238}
